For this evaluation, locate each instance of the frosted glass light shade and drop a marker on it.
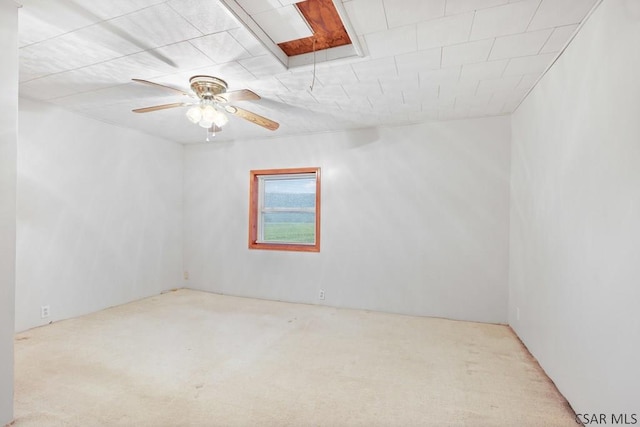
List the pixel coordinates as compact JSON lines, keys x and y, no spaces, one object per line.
{"x":220,"y":119}
{"x":208,"y":113}
{"x":205,"y":123}
{"x":194,"y":114}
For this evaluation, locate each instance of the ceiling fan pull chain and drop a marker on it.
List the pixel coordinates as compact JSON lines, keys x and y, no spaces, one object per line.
{"x":313,"y":81}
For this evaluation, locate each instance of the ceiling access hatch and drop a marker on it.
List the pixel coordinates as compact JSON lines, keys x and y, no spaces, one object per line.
{"x":299,"y":33}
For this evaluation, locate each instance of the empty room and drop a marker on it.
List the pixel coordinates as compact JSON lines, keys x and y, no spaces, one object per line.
{"x":319,"y":213}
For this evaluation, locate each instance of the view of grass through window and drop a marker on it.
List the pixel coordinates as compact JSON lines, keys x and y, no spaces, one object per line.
{"x":288,"y":212}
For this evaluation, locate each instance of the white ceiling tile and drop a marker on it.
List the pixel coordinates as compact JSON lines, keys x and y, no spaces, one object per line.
{"x":482,"y":70}
{"x":392,"y":42}
{"x":420,"y":96}
{"x":400,"y":84}
{"x":363,"y":89}
{"x":133,"y":95}
{"x":35,"y":23}
{"x":426,"y":115}
{"x":366,"y":16}
{"x":257,"y":6}
{"x":283,"y":24}
{"x":59,"y":54}
{"x":503,"y":20}
{"x":356,"y":105}
{"x":496,"y":104}
{"x":152,"y":27}
{"x":470,"y":100}
{"x":409,"y":64}
{"x":110,"y":9}
{"x":206,"y":15}
{"x":555,"y":13}
{"x":248,"y":41}
{"x":500,"y":84}
{"x":263,"y":66}
{"x":444,"y":31}
{"x":527,"y":81}
{"x":86,"y":66}
{"x":169,"y":58}
{"x":466,"y":53}
{"x":510,"y":105}
{"x":385,"y":100}
{"x":400,"y":13}
{"x":236,"y":76}
{"x":118,"y":71}
{"x":330,"y":94}
{"x":559,"y":38}
{"x":267,"y":87}
{"x":106,"y":36}
{"x":299,"y":80}
{"x":29,"y":72}
{"x":39,"y":60}
{"x":529,"y":64}
{"x":301,"y":98}
{"x":459,"y":6}
{"x":452,"y":114}
{"x":454,"y":90}
{"x":375,"y":69}
{"x":523,"y":44}
{"x":339,"y":74}
{"x":53,"y":86}
{"x":431,"y":78}
{"x":443,"y":102}
{"x":220,"y":47}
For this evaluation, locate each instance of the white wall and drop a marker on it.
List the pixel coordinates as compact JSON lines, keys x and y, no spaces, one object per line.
{"x":8,"y":139}
{"x":575,"y":215}
{"x":414,"y":219}
{"x":99,"y":215}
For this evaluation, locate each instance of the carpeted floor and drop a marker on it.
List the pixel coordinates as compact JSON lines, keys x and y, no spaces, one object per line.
{"x":189,"y":358}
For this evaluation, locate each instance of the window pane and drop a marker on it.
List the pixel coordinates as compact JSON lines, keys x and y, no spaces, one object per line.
{"x":295,"y":227}
{"x":284,"y":209}
{"x":289,"y":194}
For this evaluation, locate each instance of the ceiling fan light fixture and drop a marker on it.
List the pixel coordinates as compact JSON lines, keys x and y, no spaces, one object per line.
{"x":194,"y":114}
{"x":220,"y":119}
{"x":205,"y":123}
{"x":213,"y":105}
{"x":208,"y":112}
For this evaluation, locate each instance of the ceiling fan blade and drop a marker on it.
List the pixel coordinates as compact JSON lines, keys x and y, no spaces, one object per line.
{"x":160,"y":107}
{"x":252,"y":117}
{"x":237,"y":95}
{"x":147,"y":82}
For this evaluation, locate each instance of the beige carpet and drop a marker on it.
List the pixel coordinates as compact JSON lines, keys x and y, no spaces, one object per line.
{"x":190,"y":358}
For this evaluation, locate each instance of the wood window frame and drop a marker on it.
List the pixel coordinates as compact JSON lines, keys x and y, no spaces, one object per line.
{"x":254,"y":185}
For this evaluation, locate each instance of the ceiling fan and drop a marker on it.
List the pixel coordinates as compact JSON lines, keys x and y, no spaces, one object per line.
{"x":211,"y":101}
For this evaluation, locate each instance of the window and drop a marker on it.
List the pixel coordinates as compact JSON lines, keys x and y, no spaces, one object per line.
{"x":284,"y":209}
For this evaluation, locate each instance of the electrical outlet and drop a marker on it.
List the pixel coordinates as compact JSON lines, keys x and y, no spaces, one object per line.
{"x":321,"y":294}
{"x":44,"y":311}
{"x":186,"y":275}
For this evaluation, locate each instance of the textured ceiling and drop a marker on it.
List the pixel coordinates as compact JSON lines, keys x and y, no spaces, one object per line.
{"x":423,"y":60}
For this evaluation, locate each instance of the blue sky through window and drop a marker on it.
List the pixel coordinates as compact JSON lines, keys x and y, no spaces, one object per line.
{"x":299,"y":185}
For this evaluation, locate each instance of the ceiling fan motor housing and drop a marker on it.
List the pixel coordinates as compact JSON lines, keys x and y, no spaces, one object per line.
{"x":207,"y":87}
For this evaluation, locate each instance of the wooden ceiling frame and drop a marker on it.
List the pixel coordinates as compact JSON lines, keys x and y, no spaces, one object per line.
{"x":344,"y":52}
{"x":326,"y":24}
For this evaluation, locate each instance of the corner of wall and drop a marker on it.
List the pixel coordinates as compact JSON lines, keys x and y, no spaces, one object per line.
{"x":8,"y":163}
